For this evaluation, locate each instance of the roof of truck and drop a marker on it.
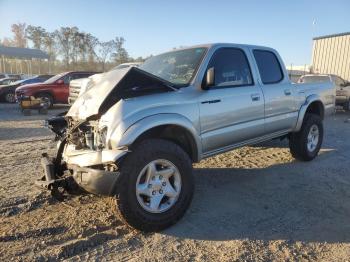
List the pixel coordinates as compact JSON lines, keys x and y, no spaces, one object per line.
{"x":209,"y":45}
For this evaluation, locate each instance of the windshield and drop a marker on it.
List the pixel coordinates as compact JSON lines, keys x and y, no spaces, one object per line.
{"x":54,"y":78}
{"x":176,"y":67}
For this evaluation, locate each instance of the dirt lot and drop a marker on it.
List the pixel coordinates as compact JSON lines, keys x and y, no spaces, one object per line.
{"x":251,"y":204}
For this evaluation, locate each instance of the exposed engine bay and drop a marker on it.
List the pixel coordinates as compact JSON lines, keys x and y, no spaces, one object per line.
{"x":88,"y":140}
{"x":86,"y":135}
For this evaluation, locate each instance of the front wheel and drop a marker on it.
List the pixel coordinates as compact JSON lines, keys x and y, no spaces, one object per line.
{"x":155,"y":186}
{"x":305,"y":144}
{"x":10,"y":97}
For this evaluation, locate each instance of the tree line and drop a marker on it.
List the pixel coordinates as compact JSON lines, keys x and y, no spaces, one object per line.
{"x":69,"y":48}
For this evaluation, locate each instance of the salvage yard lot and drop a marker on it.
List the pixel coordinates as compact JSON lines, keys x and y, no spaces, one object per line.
{"x":253,"y":203}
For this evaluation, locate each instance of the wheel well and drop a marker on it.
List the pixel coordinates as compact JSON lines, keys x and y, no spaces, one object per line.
{"x":45,"y":93}
{"x":174,"y":133}
{"x":316,"y":108}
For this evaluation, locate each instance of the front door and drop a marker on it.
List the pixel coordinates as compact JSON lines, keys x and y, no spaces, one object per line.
{"x":231,"y":111}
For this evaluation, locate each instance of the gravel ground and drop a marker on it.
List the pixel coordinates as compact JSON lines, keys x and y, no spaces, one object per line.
{"x":251,"y":204}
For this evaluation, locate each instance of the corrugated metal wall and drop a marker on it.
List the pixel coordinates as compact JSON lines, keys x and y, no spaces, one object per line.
{"x":331,"y":55}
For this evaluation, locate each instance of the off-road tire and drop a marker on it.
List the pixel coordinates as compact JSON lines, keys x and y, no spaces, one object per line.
{"x":125,"y":202}
{"x":298,"y":140}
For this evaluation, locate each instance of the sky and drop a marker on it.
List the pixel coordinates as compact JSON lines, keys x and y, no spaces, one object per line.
{"x":151,"y":27}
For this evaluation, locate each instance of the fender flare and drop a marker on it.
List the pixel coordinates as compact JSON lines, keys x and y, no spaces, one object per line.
{"x":308,"y":101}
{"x":125,"y":136}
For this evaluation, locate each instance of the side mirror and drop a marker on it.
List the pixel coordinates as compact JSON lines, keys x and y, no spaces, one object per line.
{"x":60,"y":82}
{"x":209,"y":78}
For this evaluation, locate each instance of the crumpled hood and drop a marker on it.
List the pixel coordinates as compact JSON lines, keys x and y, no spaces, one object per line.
{"x":113,"y":86}
{"x":88,"y":103}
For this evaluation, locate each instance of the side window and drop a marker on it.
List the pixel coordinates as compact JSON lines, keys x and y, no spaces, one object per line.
{"x":67,"y":79}
{"x":269,"y":67}
{"x":231,"y":68}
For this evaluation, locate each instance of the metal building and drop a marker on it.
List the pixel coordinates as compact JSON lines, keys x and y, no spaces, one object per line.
{"x":331,"y":55}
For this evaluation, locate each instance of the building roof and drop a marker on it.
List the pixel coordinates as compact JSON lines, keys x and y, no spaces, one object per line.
{"x":22,"y":52}
{"x":329,"y":36}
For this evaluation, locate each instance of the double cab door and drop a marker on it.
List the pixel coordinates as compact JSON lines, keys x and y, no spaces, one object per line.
{"x":232,"y":110}
{"x":241,"y":107}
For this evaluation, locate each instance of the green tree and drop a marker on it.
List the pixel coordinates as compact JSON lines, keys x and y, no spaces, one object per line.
{"x":36,"y":34}
{"x":121,"y":55}
{"x":105,"y":50}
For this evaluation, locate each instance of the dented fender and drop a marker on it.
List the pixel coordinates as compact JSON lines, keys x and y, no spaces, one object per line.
{"x":123,"y":136}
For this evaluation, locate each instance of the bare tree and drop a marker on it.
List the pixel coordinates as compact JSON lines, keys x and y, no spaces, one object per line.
{"x":64,"y":39}
{"x":19,"y":38}
{"x":105,"y":50}
{"x":121,"y":55}
{"x":36,"y":34}
{"x":91,"y":45}
{"x":69,"y":48}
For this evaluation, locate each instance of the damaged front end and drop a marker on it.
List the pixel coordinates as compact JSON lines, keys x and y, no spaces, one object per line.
{"x":85,"y":158}
{"x":83,"y":161}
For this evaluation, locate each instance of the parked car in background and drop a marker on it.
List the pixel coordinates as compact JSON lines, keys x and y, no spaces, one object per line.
{"x":7,"y":92}
{"x":80,"y":86}
{"x":135,"y":133}
{"x":342,"y":87}
{"x":7,"y":81}
{"x":16,"y":76}
{"x":54,"y":90}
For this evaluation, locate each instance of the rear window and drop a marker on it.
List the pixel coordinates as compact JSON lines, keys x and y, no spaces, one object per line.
{"x":269,"y":67}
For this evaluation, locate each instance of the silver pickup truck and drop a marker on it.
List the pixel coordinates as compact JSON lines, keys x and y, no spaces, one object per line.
{"x":135,"y":134}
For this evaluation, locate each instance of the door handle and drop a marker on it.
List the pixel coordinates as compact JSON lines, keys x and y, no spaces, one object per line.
{"x":211,"y":101}
{"x":287,"y":92}
{"x":255,"y":97}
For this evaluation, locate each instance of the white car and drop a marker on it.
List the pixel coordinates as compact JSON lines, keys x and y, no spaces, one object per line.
{"x":342,"y":87}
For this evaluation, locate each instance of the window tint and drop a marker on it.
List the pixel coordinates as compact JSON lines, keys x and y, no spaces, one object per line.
{"x":231,"y":68}
{"x":269,"y":66}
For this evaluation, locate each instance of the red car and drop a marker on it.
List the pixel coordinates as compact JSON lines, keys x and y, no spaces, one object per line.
{"x":54,"y":90}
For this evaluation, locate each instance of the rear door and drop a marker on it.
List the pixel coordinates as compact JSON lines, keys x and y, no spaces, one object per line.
{"x":280,"y":106}
{"x":232,"y":110}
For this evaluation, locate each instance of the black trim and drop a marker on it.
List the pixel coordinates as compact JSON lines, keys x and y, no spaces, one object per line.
{"x":211,"y":101}
{"x":229,"y":86}
{"x":279,"y":64}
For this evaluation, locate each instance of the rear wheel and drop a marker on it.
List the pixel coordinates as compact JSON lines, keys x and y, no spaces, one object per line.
{"x":305,"y":144}
{"x":155,"y":186}
{"x":10,"y":97}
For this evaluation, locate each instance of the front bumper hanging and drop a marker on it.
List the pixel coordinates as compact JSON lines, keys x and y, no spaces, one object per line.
{"x":95,"y":181}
